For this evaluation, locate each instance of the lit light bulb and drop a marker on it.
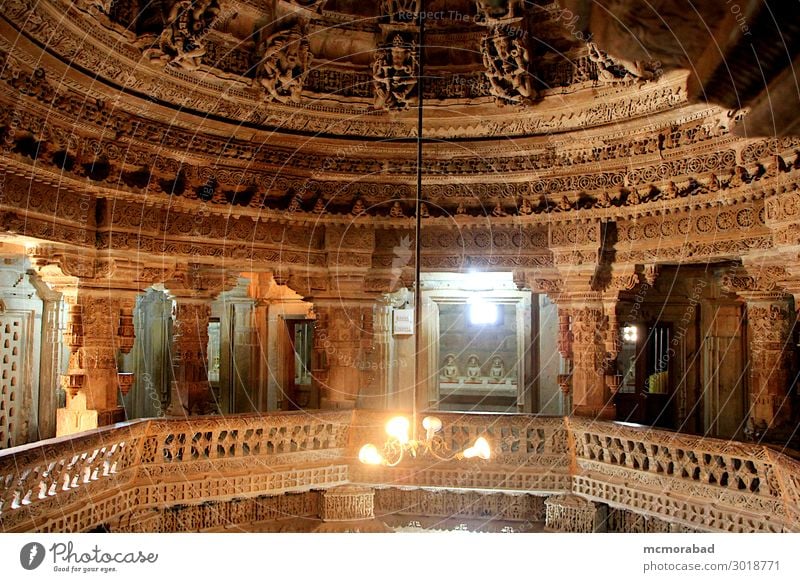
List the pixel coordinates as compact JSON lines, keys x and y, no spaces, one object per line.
{"x":398,"y":429}
{"x":432,"y":425}
{"x":480,"y":449}
{"x":369,"y":455}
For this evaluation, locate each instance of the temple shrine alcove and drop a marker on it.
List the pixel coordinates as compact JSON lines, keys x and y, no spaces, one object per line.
{"x":477,"y":342}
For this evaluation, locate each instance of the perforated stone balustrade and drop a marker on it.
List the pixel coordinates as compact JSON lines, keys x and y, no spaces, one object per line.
{"x":77,"y":483}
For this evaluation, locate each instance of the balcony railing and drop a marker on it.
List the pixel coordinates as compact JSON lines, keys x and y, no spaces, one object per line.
{"x":78,"y":483}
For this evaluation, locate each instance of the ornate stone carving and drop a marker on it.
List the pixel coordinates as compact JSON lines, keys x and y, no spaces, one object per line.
{"x":769,"y":325}
{"x":503,"y":10}
{"x":181,"y":43}
{"x":572,"y":514}
{"x":97,"y":7}
{"x":190,"y":339}
{"x":506,"y":59}
{"x":284,"y":64}
{"x":764,"y":279}
{"x":610,"y":70}
{"x":172,"y":466}
{"x":400,"y":11}
{"x":394,"y":73}
{"x":347,"y":503}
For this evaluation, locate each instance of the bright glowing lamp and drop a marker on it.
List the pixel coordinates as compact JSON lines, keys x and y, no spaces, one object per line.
{"x":480,"y":449}
{"x":432,"y":425}
{"x":398,"y":429}
{"x":629,"y":334}
{"x":369,"y":455}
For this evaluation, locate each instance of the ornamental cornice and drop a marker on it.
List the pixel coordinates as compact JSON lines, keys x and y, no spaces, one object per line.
{"x":655,"y":208}
{"x":69,"y":40}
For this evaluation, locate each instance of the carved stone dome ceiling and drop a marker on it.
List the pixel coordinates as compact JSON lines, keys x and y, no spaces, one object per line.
{"x":310,"y":106}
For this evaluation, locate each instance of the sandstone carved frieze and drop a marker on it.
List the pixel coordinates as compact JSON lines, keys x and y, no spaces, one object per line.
{"x":119,"y":67}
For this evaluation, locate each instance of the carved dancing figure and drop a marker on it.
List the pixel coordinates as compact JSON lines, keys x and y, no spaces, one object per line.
{"x":181,"y":42}
{"x":506,"y":61}
{"x":394,"y":74}
{"x":284,"y":65}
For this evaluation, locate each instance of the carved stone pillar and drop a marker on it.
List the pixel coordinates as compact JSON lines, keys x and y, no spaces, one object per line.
{"x":191,"y":392}
{"x":50,"y":358}
{"x":590,"y":394}
{"x":192,"y":292}
{"x":383,"y":356}
{"x":344,"y":342}
{"x":93,"y":326}
{"x":769,"y":324}
{"x":100,"y":294}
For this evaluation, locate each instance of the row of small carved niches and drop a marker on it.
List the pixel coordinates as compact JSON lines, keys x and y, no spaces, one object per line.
{"x":396,"y":510}
{"x":571,"y":513}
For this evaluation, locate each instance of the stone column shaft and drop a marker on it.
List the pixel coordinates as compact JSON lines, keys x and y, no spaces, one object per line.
{"x":343,"y":349}
{"x":769,"y":334}
{"x":93,"y":331}
{"x":191,"y":391}
{"x":590,"y":396}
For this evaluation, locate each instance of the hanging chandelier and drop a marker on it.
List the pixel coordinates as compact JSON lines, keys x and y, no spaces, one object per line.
{"x":400,"y":443}
{"x":402,"y":439}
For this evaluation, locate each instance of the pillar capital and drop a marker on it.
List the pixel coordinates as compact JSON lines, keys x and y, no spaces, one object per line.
{"x":68,"y":270}
{"x":198,"y":284}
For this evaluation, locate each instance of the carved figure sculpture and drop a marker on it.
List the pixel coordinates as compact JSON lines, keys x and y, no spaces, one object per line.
{"x":294,"y":205}
{"x":284,"y":66}
{"x":506,"y":60}
{"x":394,"y":74}
{"x":473,"y":368}
{"x":610,"y":70}
{"x":181,"y":42}
{"x":396,"y":211}
{"x":604,"y":200}
{"x":498,"y":210}
{"x":450,"y":369}
{"x":498,"y":369}
{"x":358,"y":208}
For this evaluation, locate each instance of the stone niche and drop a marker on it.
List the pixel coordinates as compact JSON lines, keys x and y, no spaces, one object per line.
{"x":475,"y":329}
